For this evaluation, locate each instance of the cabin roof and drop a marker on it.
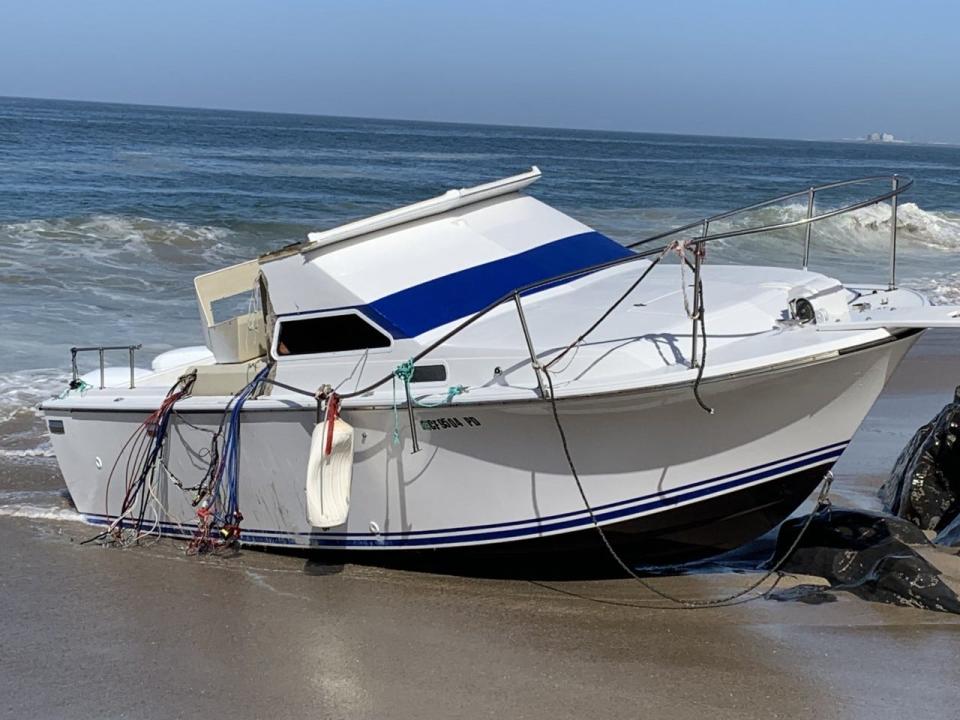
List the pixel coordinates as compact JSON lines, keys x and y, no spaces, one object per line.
{"x":450,"y":200}
{"x":419,"y":267}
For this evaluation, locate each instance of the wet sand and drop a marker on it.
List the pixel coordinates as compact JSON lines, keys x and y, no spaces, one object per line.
{"x":89,"y":632}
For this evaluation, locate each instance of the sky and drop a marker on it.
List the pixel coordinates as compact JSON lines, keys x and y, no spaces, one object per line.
{"x":815,"y":69}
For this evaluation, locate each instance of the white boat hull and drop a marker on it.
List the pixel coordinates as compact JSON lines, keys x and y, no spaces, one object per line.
{"x":496,"y":473}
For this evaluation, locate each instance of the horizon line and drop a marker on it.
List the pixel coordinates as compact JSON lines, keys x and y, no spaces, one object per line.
{"x":443,"y":122}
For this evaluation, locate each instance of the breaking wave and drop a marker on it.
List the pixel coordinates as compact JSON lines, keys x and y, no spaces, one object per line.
{"x":943,"y":288}
{"x":865,"y":228}
{"x":855,"y":246}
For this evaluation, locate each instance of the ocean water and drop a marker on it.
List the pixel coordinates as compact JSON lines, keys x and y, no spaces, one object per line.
{"x":107,"y":212}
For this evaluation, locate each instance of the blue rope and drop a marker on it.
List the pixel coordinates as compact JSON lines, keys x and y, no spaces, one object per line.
{"x":225,"y":495}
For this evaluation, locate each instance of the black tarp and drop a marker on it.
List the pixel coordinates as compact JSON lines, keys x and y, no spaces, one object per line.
{"x":924,"y":486}
{"x":864,"y":553}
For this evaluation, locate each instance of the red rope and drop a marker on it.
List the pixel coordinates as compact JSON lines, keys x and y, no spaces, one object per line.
{"x":333,"y":412}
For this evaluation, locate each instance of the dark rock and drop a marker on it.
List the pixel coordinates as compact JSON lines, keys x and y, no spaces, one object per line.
{"x":924,"y":486}
{"x":866,"y":554}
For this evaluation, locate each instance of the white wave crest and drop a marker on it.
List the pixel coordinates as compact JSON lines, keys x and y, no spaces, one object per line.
{"x":36,"y":512}
{"x":867,"y":227}
{"x":22,"y":390}
{"x":45,"y":451}
{"x":914,"y":224}
{"x":942,"y":288}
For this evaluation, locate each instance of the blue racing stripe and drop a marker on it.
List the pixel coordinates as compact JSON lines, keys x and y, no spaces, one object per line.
{"x":420,"y":308}
{"x":535,"y":526}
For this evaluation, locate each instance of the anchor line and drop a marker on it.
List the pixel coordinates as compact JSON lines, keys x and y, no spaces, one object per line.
{"x":678,"y":603}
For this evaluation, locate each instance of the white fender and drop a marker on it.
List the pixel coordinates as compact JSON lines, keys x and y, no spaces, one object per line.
{"x":329,"y":476}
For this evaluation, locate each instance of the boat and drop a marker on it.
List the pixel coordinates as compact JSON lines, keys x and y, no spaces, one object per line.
{"x":480,"y":372}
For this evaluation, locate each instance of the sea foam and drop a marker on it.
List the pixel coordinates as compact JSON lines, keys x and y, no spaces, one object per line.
{"x":867,"y":227}
{"x":116,"y":237}
{"x":37,"y":512}
{"x":22,"y":432}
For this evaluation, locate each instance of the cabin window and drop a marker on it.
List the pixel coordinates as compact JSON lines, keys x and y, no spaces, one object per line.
{"x":429,"y":373}
{"x":327,"y":334}
{"x":233,"y":306}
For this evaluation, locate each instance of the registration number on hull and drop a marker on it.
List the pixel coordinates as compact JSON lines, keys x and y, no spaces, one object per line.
{"x":450,"y":423}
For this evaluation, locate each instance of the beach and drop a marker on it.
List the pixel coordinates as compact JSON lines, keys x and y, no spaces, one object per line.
{"x":148,"y":632}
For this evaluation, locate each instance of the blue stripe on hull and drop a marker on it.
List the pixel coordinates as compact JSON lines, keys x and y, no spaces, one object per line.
{"x":535,"y":527}
{"x":417,"y":309}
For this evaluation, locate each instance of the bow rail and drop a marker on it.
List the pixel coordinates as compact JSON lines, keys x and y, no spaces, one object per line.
{"x":899,"y":185}
{"x":75,"y":381}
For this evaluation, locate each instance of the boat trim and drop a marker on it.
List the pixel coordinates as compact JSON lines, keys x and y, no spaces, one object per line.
{"x":809,"y":361}
{"x":539,"y":527}
{"x":450,"y":200}
{"x":332,"y":313}
{"x":420,"y":308}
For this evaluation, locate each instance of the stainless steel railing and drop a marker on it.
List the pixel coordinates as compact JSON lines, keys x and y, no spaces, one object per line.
{"x":898,"y":185}
{"x":101,"y":350}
